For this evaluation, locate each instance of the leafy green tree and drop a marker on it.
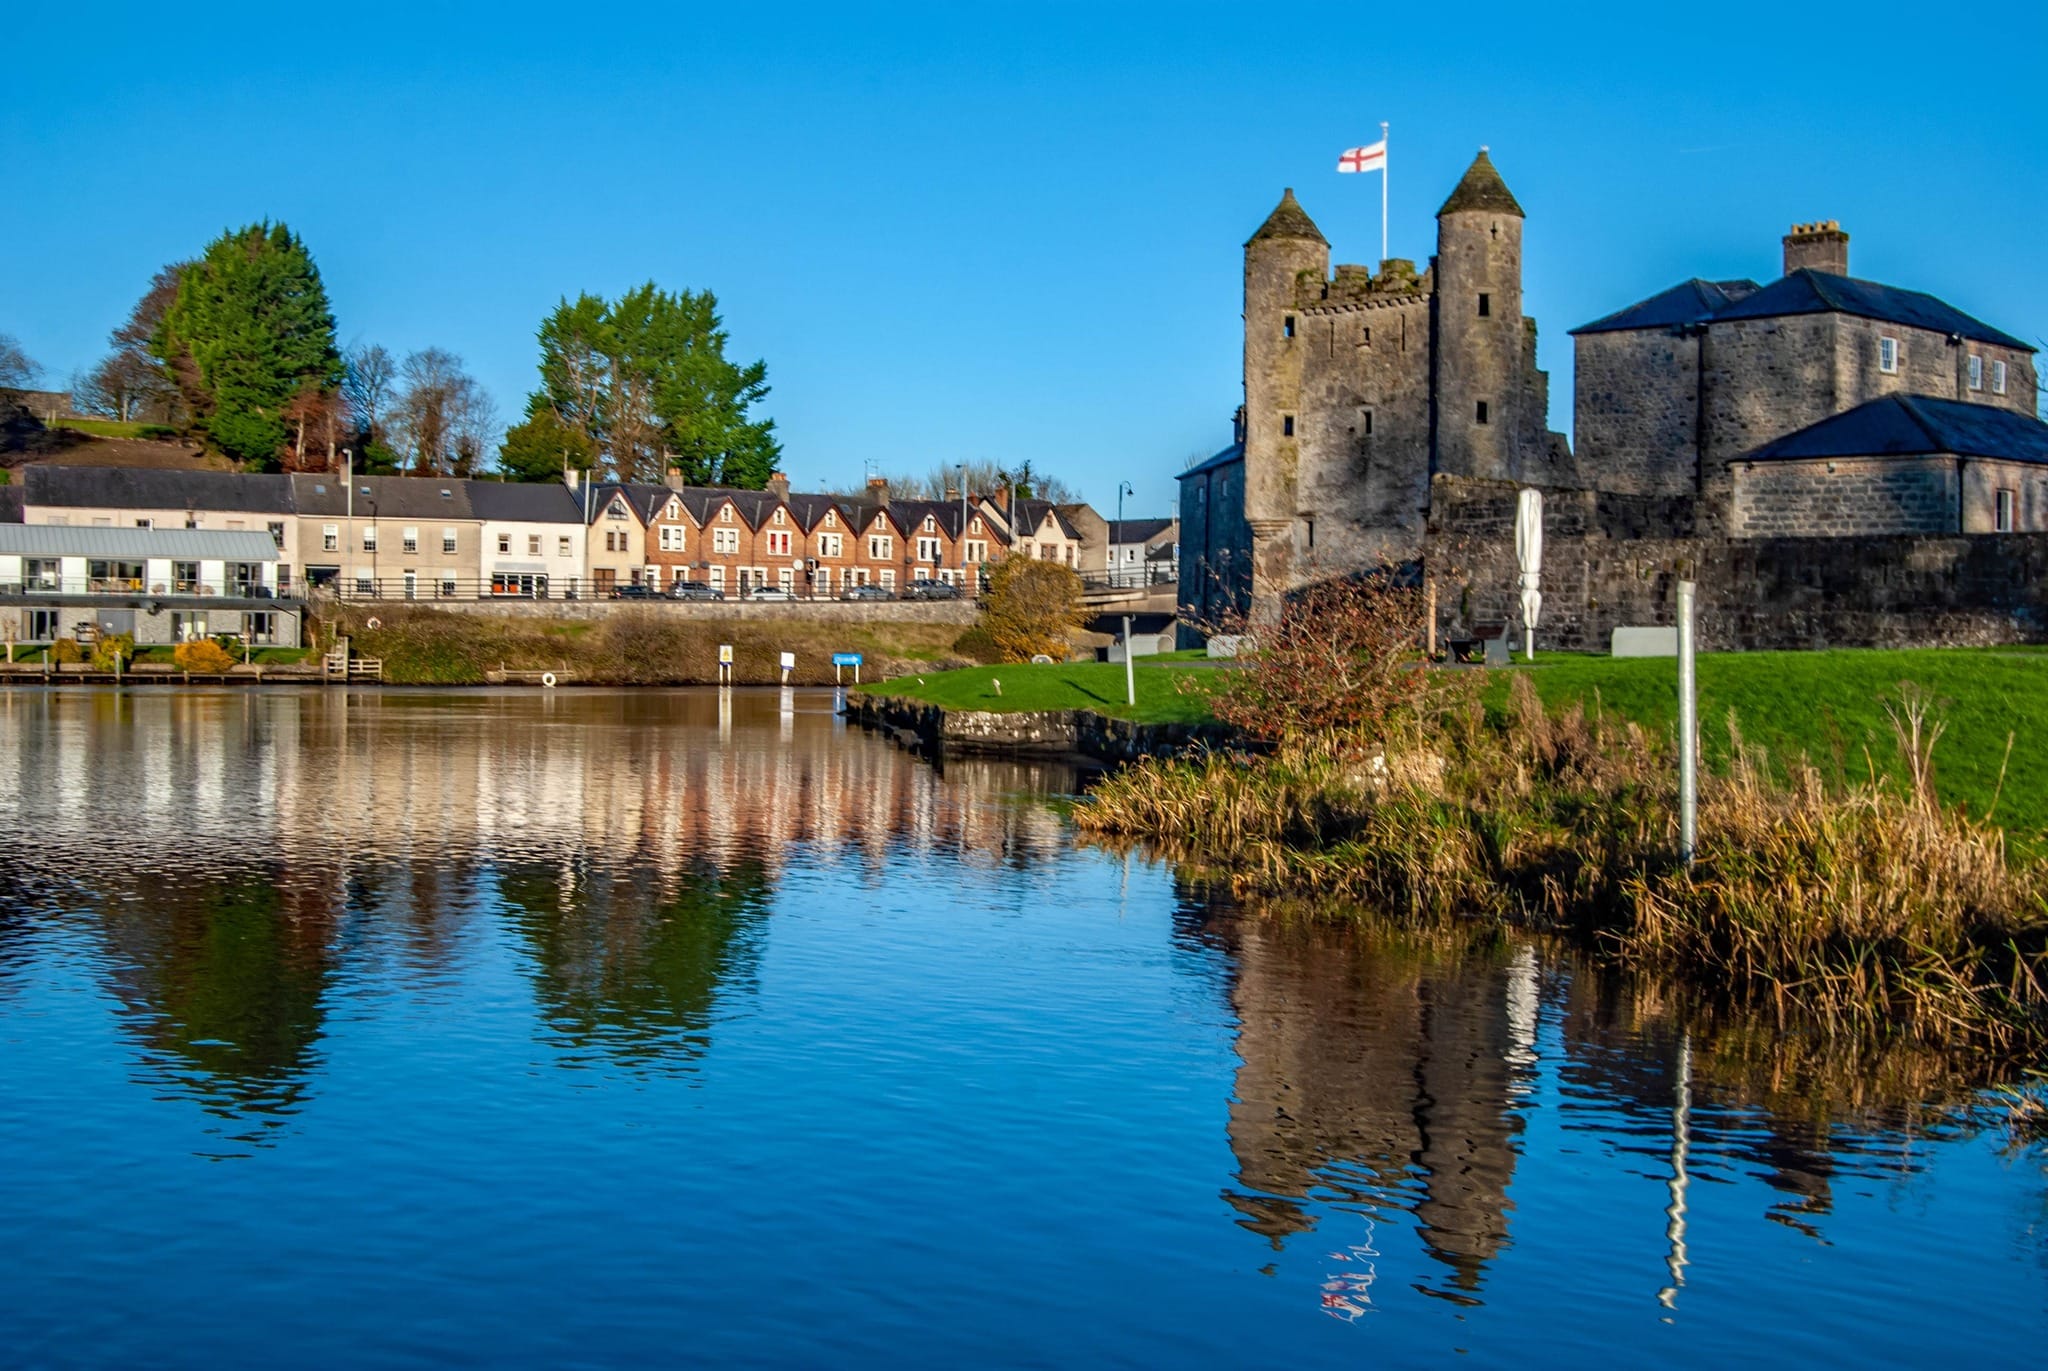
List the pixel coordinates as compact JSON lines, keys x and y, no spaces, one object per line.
{"x":248,"y":336}
{"x":541,"y":449}
{"x":645,"y":382}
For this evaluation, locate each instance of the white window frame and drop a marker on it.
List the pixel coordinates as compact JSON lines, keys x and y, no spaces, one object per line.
{"x":2005,"y":510}
{"x":369,"y":537}
{"x":718,"y":577}
{"x":725,"y":542}
{"x":448,"y":542}
{"x":830,"y":544}
{"x":1888,"y":354}
{"x":564,"y":546}
{"x":881,"y":547}
{"x":504,"y":545}
{"x":1975,"y":369}
{"x":533,"y":544}
{"x":409,"y":540}
{"x":330,"y":536}
{"x":1998,"y":378}
{"x":778,"y":542}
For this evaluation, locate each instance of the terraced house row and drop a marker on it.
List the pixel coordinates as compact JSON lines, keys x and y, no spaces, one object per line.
{"x":425,"y":538}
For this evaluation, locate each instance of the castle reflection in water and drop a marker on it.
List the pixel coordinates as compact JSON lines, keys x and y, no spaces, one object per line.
{"x":228,"y":855}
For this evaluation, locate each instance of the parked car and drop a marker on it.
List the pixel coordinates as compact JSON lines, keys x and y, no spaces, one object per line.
{"x":695,"y":590}
{"x":769,"y":593}
{"x":633,"y":591}
{"x":867,"y":593}
{"x":934,"y":590}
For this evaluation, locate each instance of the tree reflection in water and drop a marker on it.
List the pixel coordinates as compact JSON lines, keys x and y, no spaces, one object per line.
{"x":630,"y":960}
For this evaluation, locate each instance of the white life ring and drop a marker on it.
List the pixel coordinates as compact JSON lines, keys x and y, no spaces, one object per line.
{"x":547,"y":678}
{"x":373,"y":622}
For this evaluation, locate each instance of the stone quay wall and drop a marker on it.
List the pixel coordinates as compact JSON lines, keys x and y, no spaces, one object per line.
{"x":853,"y":612}
{"x":1058,"y":731}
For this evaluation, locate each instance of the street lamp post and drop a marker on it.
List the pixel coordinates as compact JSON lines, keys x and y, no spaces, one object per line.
{"x":1123,"y":488}
{"x":961,"y":467}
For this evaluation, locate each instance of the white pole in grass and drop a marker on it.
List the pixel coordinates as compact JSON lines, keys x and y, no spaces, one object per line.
{"x":1130,"y":668}
{"x":1688,"y":729}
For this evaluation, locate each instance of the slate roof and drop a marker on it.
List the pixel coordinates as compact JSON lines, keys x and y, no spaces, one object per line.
{"x":1232,"y":454}
{"x":1482,"y":189}
{"x":1137,"y":530}
{"x":379,"y":497}
{"x":525,"y":502}
{"x":1289,"y":220}
{"x":156,"y":488}
{"x":1028,"y":516}
{"x":1807,"y":291}
{"x":809,"y":510}
{"x":1688,"y":302}
{"x":182,"y":544}
{"x":1914,"y":426}
{"x":644,"y":500}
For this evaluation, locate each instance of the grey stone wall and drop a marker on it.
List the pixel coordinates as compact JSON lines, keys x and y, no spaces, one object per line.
{"x":1844,"y":497}
{"x":1636,"y":411}
{"x":1758,"y":593}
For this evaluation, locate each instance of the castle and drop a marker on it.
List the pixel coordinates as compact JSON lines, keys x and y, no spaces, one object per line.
{"x":1391,"y":414}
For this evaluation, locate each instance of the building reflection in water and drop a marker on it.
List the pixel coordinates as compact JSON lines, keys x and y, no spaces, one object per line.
{"x":1386,"y":1073}
{"x":1373,"y":1076}
{"x":230,"y":853}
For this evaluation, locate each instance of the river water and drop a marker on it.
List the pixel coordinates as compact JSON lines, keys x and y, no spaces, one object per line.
{"x":592,"y":1028}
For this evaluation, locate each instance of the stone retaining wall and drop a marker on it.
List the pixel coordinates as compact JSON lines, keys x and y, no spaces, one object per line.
{"x":1059,"y":731}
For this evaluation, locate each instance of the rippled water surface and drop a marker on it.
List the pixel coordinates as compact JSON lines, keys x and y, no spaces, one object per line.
{"x":599,"y":1029}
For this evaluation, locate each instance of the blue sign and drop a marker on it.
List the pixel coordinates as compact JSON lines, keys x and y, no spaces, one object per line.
{"x":846,"y":659}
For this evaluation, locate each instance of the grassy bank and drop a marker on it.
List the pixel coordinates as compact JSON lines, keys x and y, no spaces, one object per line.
{"x":1169,"y":690}
{"x":631,"y":647}
{"x":1866,"y":906}
{"x":1828,"y":707}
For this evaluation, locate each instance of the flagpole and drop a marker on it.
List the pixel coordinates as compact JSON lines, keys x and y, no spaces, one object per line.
{"x":1386,"y":160}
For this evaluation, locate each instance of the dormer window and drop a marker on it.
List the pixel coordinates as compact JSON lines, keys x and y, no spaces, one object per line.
{"x":1888,"y":355}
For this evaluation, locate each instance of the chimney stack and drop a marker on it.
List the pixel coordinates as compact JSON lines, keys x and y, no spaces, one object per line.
{"x":878,"y":490}
{"x":673,"y":478}
{"x":778,"y":486}
{"x":1820,"y":246}
{"x":572,"y":477}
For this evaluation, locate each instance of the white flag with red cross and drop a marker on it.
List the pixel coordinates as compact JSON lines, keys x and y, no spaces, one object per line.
{"x":1371,"y":157}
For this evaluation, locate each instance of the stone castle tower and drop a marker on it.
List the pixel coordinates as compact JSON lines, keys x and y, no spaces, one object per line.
{"x":1360,"y":386}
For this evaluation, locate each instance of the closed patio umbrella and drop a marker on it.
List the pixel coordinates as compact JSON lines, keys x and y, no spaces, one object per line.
{"x":1529,"y":561}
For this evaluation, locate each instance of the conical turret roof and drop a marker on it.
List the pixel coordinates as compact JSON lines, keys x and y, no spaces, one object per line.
{"x":1289,"y":220}
{"x":1483,"y":190}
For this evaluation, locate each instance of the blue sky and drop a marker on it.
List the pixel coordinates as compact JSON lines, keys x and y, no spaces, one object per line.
{"x":985,"y":230}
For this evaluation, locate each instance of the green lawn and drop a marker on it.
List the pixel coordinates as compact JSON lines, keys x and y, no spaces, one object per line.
{"x":102,"y":428}
{"x":1829,"y":706}
{"x":1067,"y":685}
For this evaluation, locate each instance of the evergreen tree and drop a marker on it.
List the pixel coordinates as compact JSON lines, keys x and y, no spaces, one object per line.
{"x":642,"y":384}
{"x":248,"y":337}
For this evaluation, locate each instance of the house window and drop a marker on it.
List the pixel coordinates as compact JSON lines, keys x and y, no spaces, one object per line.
{"x":778,"y":517}
{"x":888,"y":579}
{"x":370,"y":538}
{"x":533,"y":545}
{"x":1998,"y":378}
{"x":1888,"y":355}
{"x":448,"y":583}
{"x":1485,"y":306}
{"x":411,"y":540}
{"x":977,"y":551}
{"x":671,"y":538}
{"x":830,"y":544}
{"x":880,"y":547}
{"x":277,"y":532}
{"x":617,"y":510}
{"x":1976,"y":372}
{"x":725,"y":540}
{"x":1287,"y":327}
{"x":505,"y":544}
{"x":2006,"y":502}
{"x":562,"y":548}
{"x":1482,"y":414}
{"x":330,"y":537}
{"x":725,"y":515}
{"x":1287,"y":425}
{"x":448,"y":542}
{"x":151,"y":523}
{"x":718,"y":576}
{"x":927,"y":549}
{"x":778,"y":543}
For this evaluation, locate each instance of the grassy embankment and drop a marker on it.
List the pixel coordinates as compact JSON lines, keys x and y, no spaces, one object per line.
{"x":1862,"y":902}
{"x":1169,"y":688}
{"x":640,"y":646}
